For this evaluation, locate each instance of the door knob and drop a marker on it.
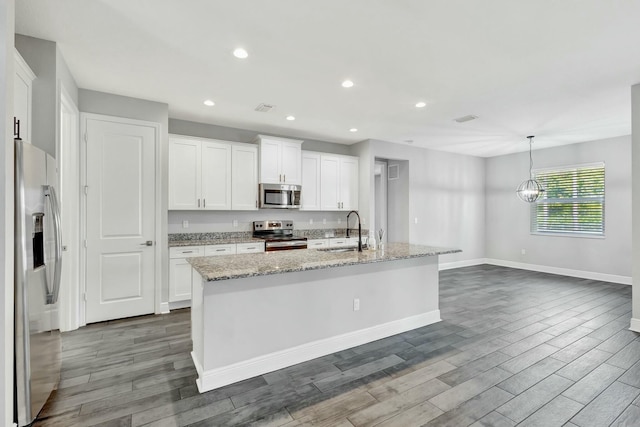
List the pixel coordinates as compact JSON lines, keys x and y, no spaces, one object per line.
{"x":147,"y":243}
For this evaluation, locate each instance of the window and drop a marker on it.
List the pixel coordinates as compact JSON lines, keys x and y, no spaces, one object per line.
{"x":573,"y":201}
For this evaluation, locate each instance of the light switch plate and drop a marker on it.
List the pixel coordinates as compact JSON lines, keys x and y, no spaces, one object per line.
{"x":185,"y":224}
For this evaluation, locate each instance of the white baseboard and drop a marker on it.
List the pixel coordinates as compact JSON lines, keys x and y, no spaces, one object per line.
{"x":164,"y":308}
{"x":635,"y":325}
{"x":179,"y":304}
{"x":460,"y":264}
{"x":214,"y":378}
{"x":613,"y":278}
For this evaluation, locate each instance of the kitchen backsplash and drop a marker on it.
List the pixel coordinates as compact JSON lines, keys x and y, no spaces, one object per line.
{"x":241,"y":221}
{"x":242,"y":235}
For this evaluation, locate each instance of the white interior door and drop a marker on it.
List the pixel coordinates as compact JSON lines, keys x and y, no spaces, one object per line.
{"x":120,"y":218}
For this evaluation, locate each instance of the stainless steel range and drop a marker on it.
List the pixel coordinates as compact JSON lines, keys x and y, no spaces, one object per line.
{"x":278,"y":235}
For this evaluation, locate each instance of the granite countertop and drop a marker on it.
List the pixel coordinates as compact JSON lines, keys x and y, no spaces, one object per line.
{"x":262,"y":264}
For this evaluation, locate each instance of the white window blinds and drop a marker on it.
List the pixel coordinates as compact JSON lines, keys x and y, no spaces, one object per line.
{"x":573,"y":201}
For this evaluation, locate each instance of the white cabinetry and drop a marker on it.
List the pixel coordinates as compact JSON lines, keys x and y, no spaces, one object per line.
{"x":317,"y":243}
{"x":339,"y":183}
{"x":180,"y":271}
{"x":244,"y":177}
{"x":207,"y":174}
{"x":310,"y":194}
{"x":280,"y":160}
{"x":250,"y":248}
{"x":215,"y":250}
{"x":340,"y":242}
{"x":22,"y":89}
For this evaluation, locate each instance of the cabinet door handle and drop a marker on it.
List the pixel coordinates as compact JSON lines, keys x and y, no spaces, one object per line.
{"x":280,"y":178}
{"x":253,"y":247}
{"x":204,"y":203}
{"x":198,"y":202}
{"x":187,"y":252}
{"x":284,"y":178}
{"x":220,"y":250}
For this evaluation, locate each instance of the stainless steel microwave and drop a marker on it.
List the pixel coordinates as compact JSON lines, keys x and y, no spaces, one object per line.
{"x":280,"y":196}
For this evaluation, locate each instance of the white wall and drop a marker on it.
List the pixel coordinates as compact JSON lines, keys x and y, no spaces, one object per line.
{"x":121,"y":106}
{"x":7,"y":14}
{"x":635,"y":183}
{"x":507,"y":224}
{"x":445,"y":194}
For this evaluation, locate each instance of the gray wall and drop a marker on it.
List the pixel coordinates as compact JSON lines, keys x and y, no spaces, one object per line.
{"x":6,"y":210}
{"x":508,"y":218}
{"x":121,"y":106}
{"x":635,"y":180}
{"x":205,"y":221}
{"x":204,"y":130}
{"x":445,"y":194}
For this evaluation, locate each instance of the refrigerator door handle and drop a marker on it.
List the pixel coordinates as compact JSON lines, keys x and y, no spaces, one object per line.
{"x":50,"y":193}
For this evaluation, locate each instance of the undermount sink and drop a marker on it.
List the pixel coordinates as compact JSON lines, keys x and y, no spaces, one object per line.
{"x":340,"y":249}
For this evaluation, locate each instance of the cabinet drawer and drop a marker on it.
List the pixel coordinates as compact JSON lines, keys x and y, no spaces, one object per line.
{"x":339,"y":242}
{"x":249,"y":248}
{"x":317,"y":243}
{"x":186,"y":251}
{"x":214,"y":250}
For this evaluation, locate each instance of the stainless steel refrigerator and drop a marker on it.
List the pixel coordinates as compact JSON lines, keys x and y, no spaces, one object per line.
{"x":38,"y":262}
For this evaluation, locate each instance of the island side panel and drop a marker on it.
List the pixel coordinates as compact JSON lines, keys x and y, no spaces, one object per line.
{"x":256,"y":325}
{"x":197,"y":297}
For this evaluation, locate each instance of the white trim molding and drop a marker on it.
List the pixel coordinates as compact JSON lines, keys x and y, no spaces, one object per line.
{"x":592,"y":275}
{"x":635,"y":325}
{"x":460,"y":264}
{"x":219,"y":377}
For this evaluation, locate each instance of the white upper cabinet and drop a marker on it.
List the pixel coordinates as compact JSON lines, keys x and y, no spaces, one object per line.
{"x":349,"y":183}
{"x":310,"y":194}
{"x":339,"y":182}
{"x":244,"y":177}
{"x":185,"y":177}
{"x":280,"y":160}
{"x":216,"y":176}
{"x":22,"y":89}
{"x":204,"y":175}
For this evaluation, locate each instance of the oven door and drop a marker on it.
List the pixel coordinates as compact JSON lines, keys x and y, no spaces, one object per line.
{"x":279,"y":196}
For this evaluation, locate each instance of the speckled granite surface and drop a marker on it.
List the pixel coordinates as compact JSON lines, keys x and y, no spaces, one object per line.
{"x":262,"y":264}
{"x":221,"y":238}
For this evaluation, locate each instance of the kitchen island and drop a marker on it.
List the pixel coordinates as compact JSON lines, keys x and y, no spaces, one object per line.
{"x":256,"y":313}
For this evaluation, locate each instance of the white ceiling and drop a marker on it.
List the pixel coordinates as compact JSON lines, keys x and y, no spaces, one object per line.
{"x":560,"y":70}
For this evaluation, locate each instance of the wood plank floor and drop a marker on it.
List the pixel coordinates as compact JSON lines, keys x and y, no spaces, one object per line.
{"x":514,"y":348}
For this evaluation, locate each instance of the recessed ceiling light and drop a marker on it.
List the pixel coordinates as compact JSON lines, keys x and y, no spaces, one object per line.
{"x":347,"y":83}
{"x":240,"y":53}
{"x":353,"y":130}
{"x":290,"y":118}
{"x":421,"y":104}
{"x":209,"y":103}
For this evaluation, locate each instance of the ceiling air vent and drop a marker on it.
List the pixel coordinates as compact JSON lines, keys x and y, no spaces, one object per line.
{"x":265,"y":108}
{"x":465,"y":118}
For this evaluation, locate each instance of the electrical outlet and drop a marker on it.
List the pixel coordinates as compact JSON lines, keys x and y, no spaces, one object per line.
{"x":339,"y":220}
{"x":185,"y":224}
{"x":356,"y":304}
{"x":415,"y":220}
{"x":324,"y":220}
{"x":310,"y":221}
{"x":524,"y":251}
{"x":235,"y":222}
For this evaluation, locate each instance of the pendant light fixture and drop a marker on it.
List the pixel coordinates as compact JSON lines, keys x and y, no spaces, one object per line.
{"x":530,"y":190}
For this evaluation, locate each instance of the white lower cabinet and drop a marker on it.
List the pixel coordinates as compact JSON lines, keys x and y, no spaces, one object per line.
{"x":317,"y":243}
{"x":215,"y":250}
{"x":180,"y":271}
{"x":339,"y":242}
{"x":249,"y":248}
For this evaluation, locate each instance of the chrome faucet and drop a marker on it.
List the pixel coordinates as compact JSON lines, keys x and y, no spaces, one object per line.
{"x":359,"y":229}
